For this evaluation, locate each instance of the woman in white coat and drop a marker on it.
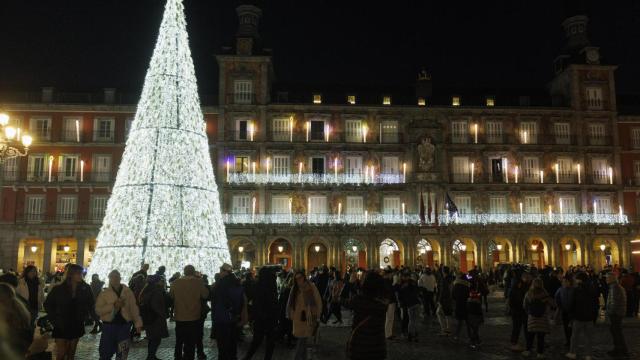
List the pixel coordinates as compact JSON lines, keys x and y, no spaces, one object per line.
{"x":31,"y":289}
{"x":303,"y":308}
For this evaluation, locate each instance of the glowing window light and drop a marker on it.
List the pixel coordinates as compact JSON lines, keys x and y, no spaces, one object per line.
{"x":386,"y":100}
{"x":81,"y":170}
{"x":317,"y":98}
{"x":610,"y":175}
{"x":351,"y":99}
{"x":490,"y":101}
{"x":422,"y":101}
{"x":455,"y":101}
{"x":578,"y":170}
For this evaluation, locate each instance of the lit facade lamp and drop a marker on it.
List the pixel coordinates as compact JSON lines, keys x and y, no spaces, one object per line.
{"x":241,"y":249}
{"x":280,"y":248}
{"x":316,"y":248}
{"x":499,"y":247}
{"x":534,"y":247}
{"x":34,"y":248}
{"x":567,"y":247}
{"x":463,"y":247}
{"x":11,"y":139}
{"x":354,"y":248}
{"x":428,"y":247}
{"x":423,"y":251}
{"x":66,"y":248}
{"x":603,"y":247}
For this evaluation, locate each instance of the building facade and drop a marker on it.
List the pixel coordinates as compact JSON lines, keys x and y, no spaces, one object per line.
{"x":347,"y":180}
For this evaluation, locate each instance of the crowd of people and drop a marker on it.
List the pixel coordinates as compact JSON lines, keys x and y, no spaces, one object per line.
{"x":288,"y":306}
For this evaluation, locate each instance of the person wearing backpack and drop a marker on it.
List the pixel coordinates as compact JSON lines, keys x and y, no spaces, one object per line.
{"x":229,"y":313}
{"x":475,"y":317}
{"x":154,"y":311}
{"x":536,"y":303}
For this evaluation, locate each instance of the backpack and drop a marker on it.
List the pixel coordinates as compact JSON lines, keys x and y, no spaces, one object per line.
{"x":537,"y":308}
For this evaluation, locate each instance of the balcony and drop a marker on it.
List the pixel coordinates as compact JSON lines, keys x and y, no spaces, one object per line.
{"x":599,"y":140}
{"x":71,"y":136}
{"x":72,"y":218}
{"x":240,"y":99}
{"x":315,"y":179}
{"x":103,"y":136}
{"x":329,"y":136}
{"x":600,"y":177}
{"x":461,"y":178}
{"x":42,"y":177}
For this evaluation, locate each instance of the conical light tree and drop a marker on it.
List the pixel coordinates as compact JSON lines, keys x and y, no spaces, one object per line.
{"x":164,"y":208}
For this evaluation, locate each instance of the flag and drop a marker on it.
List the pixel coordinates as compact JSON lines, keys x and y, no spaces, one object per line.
{"x":429,"y":209}
{"x":422,"y":221}
{"x":450,"y":205}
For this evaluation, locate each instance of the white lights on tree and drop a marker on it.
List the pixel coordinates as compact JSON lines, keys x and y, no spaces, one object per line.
{"x":164,"y":207}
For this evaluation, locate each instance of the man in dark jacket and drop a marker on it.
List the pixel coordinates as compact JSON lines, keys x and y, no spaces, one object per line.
{"x":616,"y":309}
{"x":228,"y":304}
{"x":445,"y":306}
{"x":264,"y":312}
{"x":460,"y":295}
{"x":583,"y":311}
{"x":516,"y":308}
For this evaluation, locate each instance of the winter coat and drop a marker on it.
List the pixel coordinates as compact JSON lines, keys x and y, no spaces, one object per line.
{"x":539,"y":324}
{"x":564,"y":298}
{"x":96,"y":288}
{"x":367,"y":341}
{"x":460,"y":295}
{"x":475,"y":315}
{"x":66,"y":313}
{"x":187,"y":293}
{"x":309,"y":302}
{"x":584,"y":304}
{"x":516,"y":299}
{"x":408,"y":295}
{"x":129,"y":311}
{"x":389,"y":291}
{"x":265,"y":306}
{"x":230,"y":304}
{"x":153,"y":310}
{"x":428,"y":282}
{"x":444,"y":295}
{"x":616,"y":301}
{"x":23,"y":290}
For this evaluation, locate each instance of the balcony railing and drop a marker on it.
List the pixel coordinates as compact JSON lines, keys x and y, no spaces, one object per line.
{"x":599,"y":140}
{"x":73,"y":218}
{"x":58,"y":176}
{"x":497,"y":139}
{"x":241,"y":98}
{"x":103,"y":136}
{"x":314,"y":179}
{"x":314,"y":137}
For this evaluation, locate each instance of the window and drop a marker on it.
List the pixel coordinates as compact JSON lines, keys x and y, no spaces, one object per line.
{"x":494,"y":132}
{"x":353,"y":165}
{"x":497,"y":205}
{"x":281,"y":129}
{"x":11,"y":169}
{"x":597,"y":134}
{"x":101,"y":168}
{"x":455,"y":101}
{"x":243,"y":130}
{"x":460,"y":167}
{"x":35,"y":207}
{"x":353,"y":130}
{"x":491,"y":101}
{"x":355,"y":205}
{"x":389,"y":131}
{"x":390,"y":165}
{"x":603,"y":204}
{"x":41,"y":128}
{"x":600,"y":170}
{"x":317,"y":128}
{"x":562,"y":132}
{"x":67,"y":208}
{"x":565,"y":170}
{"x":391,"y":205}
{"x":240,"y":204}
{"x":636,"y":172}
{"x":459,"y":132}
{"x":281,"y":165}
{"x":317,"y":208}
{"x":567,"y":204}
{"x":280,"y":205}
{"x":103,"y":129}
{"x":36,"y":168}
{"x":68,"y":167}
{"x":497,"y":170}
{"x":594,"y":98}
{"x":98,"y":207}
{"x":317,"y":99}
{"x":386,"y":100}
{"x":463,"y":203}
{"x":532,"y":205}
{"x":529,"y":132}
{"x":242,"y":91}
{"x":72,"y":129}
{"x":317,"y":165}
{"x":351,"y":99}
{"x":241,"y":165}
{"x":530,"y":169}
{"x":422,"y":101}
{"x":127,"y":127}
{"x":635,"y":138}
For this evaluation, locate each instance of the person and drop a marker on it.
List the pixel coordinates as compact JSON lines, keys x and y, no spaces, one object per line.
{"x":583,"y":311}
{"x":460,"y":295}
{"x":16,"y":316}
{"x":303,"y":308}
{"x":143,"y":271}
{"x":391,"y":299}
{"x":68,"y":305}
{"x":427,"y":285}
{"x":445,"y":302}
{"x":334,"y":298}
{"x":30,"y":288}
{"x":475,"y":317}
{"x":204,"y":313}
{"x":264,"y":313}
{"x":516,"y":308}
{"x":615,"y":311}
{"x":410,"y":303}
{"x":187,"y":293}
{"x":285,"y":325}
{"x":367,"y":339}
{"x":229,"y":312}
{"x":154,"y":313}
{"x":564,"y":300}
{"x":321,"y":282}
{"x":118,"y":309}
{"x":96,"y":288}
{"x":536,"y":303}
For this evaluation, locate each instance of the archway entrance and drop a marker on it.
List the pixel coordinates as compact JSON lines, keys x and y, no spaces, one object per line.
{"x":463,"y":254}
{"x":570,"y":254}
{"x":537,"y":252}
{"x":31,"y":252}
{"x":316,"y":255}
{"x":281,"y":252}
{"x":354,"y":255}
{"x":89,"y":249}
{"x":499,"y":251}
{"x":428,"y":253}
{"x":243,"y":254}
{"x":389,"y":254}
{"x":65,"y":251}
{"x":605,"y":253}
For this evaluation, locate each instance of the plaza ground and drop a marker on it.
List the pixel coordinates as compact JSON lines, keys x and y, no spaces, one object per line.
{"x":494,"y":333}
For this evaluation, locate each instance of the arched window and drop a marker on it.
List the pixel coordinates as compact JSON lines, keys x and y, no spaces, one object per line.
{"x":458,"y":246}
{"x":424,"y":246}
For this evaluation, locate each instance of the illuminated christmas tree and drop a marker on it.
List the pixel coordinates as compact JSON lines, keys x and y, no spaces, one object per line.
{"x":164,"y":208}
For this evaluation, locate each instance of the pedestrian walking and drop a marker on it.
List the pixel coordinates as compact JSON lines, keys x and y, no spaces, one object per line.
{"x":515,"y":304}
{"x":154,"y":312}
{"x":392,"y":300}
{"x":427,"y":284}
{"x":445,"y":301}
{"x":564,"y":299}
{"x":410,"y":303}
{"x":615,"y":311}
{"x":460,"y":295}
{"x":118,"y":310}
{"x":187,"y":293}
{"x":96,"y":288}
{"x":537,"y":303}
{"x":303,"y":308}
{"x":367,"y":339}
{"x":334,"y":298}
{"x":31,"y":288}
{"x":229,"y":313}
{"x":264,"y":313}
{"x":583,"y":312}
{"x":475,"y":317}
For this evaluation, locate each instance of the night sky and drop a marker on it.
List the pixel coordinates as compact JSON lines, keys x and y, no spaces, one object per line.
{"x":85,"y":45}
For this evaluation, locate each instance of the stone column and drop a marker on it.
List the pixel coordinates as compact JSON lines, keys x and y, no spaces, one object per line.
{"x":80,"y":251}
{"x":48,"y":254}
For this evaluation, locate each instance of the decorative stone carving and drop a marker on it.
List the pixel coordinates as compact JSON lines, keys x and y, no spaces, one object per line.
{"x":299,"y":203}
{"x":426,"y":150}
{"x":373,"y":201}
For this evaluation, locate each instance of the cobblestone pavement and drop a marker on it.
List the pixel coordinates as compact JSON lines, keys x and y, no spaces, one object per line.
{"x":494,"y":334}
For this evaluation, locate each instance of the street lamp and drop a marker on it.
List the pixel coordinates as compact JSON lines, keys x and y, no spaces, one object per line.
{"x":9,"y":144}
{"x":34,"y":248}
{"x":603,"y":247}
{"x":567,"y":247}
{"x":280,"y":248}
{"x":66,"y":248}
{"x":354,"y":248}
{"x":499,"y":247}
{"x":463,"y":247}
{"x":317,"y":248}
{"x":240,"y":249}
{"x":534,"y":247}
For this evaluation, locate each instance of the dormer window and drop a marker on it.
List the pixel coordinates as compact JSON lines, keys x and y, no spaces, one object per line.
{"x":351,"y":99}
{"x":594,"y":97}
{"x":386,"y":100}
{"x":422,"y":101}
{"x":455,"y":101}
{"x":317,"y":98}
{"x":491,"y":101}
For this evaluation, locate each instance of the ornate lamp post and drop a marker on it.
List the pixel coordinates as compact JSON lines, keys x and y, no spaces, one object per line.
{"x":10,"y":143}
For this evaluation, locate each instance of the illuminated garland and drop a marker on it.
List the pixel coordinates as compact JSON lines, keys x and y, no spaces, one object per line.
{"x":317,"y":179}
